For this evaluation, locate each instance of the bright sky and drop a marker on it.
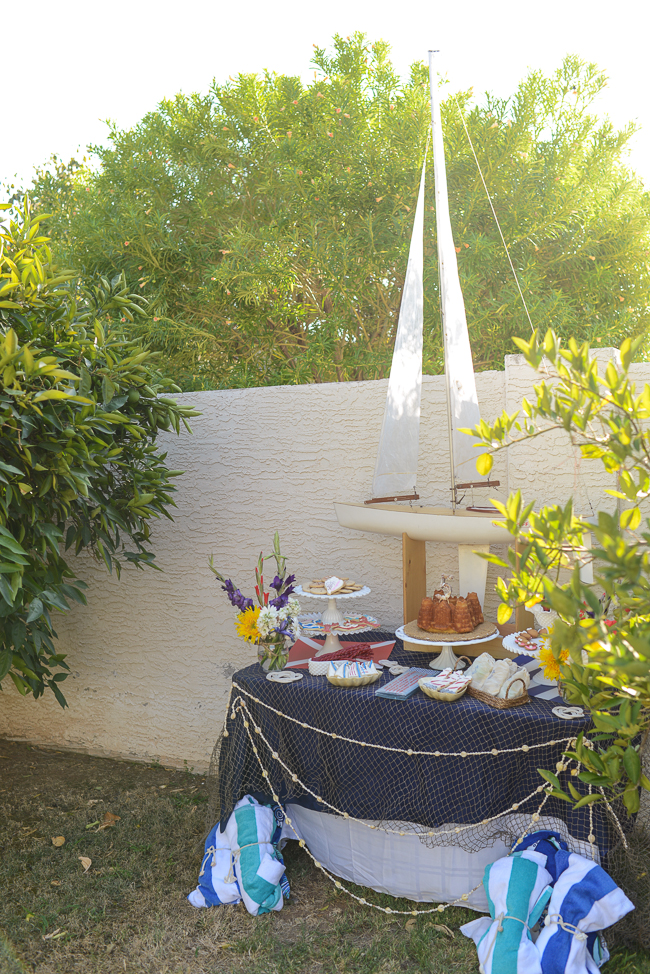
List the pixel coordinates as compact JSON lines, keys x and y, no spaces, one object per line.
{"x":77,"y":63}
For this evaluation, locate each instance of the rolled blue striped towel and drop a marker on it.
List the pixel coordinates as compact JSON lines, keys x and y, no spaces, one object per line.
{"x":585,"y":900}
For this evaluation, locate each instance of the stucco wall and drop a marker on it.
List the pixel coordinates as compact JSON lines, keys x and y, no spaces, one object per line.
{"x":152,"y":654}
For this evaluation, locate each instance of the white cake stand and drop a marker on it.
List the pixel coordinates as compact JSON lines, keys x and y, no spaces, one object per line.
{"x":332,"y":616}
{"x":447,"y":657}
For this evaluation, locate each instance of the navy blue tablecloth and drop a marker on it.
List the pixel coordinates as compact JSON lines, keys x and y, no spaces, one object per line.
{"x":382,"y":785}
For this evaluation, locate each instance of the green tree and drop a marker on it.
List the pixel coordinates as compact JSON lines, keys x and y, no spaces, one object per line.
{"x":81,"y":407}
{"x":602,"y":638}
{"x":268,"y":222}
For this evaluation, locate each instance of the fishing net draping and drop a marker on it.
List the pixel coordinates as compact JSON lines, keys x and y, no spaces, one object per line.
{"x":628,"y":862}
{"x":458,"y":774}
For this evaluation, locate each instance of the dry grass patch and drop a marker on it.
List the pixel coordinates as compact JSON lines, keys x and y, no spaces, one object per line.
{"x":128,"y":912}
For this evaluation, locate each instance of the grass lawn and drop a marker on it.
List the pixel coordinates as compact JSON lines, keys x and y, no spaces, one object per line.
{"x":128,"y":911}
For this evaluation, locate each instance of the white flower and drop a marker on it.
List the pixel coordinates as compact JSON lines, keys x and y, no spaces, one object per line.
{"x":267,"y":621}
{"x":294,"y":607}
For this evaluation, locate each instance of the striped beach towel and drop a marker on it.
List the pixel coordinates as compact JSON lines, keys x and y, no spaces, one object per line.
{"x":217,"y":883}
{"x":518,"y":890}
{"x":245,"y":861}
{"x":258,"y":865}
{"x":585,"y":900}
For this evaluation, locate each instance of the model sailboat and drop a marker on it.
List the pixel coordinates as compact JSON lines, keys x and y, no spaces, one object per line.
{"x":397,"y":458}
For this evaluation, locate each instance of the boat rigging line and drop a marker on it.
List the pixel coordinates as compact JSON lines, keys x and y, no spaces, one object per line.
{"x":496,"y":219}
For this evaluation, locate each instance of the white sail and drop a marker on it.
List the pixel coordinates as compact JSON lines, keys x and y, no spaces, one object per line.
{"x":459,"y":368}
{"x":397,"y":456}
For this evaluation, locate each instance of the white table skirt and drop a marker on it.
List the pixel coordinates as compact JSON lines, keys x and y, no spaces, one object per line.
{"x":401,"y":865}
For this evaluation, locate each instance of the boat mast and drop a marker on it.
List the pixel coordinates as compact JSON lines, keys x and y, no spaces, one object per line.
{"x":442,"y":206}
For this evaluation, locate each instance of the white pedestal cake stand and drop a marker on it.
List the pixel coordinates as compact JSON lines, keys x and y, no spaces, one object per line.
{"x":331,"y":616}
{"x":447,"y":657}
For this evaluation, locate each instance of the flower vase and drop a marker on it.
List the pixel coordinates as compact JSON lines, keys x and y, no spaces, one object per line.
{"x":272,"y":654}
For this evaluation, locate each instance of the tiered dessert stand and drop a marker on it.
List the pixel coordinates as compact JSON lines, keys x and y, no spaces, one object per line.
{"x":331,"y":616}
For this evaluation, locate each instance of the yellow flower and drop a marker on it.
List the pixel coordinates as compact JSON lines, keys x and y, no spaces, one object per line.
{"x":551,"y":664}
{"x":246,"y":625}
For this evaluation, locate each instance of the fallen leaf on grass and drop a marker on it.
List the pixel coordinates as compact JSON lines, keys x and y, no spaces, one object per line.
{"x":85,"y":862}
{"x":443,"y":929}
{"x":55,"y":882}
{"x":410,"y":923}
{"x":91,"y":825}
{"x":225,"y":945}
{"x":55,"y":934}
{"x":94,"y":801}
{"x":58,"y":840}
{"x":108,"y":820}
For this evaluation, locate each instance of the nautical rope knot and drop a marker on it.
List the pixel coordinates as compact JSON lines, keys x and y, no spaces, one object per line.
{"x":569,"y":927}
{"x":499,"y":919}
{"x":231,"y":878}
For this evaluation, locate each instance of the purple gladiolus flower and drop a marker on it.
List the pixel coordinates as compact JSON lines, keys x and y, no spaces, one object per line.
{"x":277,"y":583}
{"x":237,"y":598}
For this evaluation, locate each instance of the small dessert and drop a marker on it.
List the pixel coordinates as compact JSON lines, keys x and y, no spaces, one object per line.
{"x":342,"y":586}
{"x":334,"y":584}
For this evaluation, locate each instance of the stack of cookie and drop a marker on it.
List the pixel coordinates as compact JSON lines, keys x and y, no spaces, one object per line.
{"x":342,"y":586}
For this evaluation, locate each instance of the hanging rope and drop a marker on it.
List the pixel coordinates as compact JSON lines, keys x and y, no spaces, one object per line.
{"x":496,"y":219}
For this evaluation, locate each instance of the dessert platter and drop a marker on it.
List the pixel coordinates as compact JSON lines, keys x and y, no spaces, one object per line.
{"x":332,"y":588}
{"x":528,"y":642}
{"x":311,"y":624}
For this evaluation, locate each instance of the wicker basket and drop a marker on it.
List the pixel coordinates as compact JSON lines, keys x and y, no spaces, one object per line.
{"x":501,"y":703}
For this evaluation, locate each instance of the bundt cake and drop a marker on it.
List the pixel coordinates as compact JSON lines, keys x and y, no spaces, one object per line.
{"x":450,"y":614}
{"x":425,"y":615}
{"x":475,"y":608}
{"x":462,"y":617}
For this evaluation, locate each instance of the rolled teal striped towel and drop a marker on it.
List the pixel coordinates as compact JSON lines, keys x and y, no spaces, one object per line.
{"x":518,"y":890}
{"x":258,"y":865}
{"x":245,"y":861}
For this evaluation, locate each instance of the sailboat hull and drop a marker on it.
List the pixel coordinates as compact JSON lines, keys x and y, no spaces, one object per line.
{"x":424,"y":523}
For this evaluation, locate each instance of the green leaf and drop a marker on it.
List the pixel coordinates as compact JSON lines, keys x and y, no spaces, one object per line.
{"x":550,"y":777}
{"x":108,"y":390}
{"x":632,"y":765}
{"x":59,"y":394}
{"x":20,"y":684}
{"x":35,"y":610}
{"x":587,"y":800}
{"x":5,"y":663}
